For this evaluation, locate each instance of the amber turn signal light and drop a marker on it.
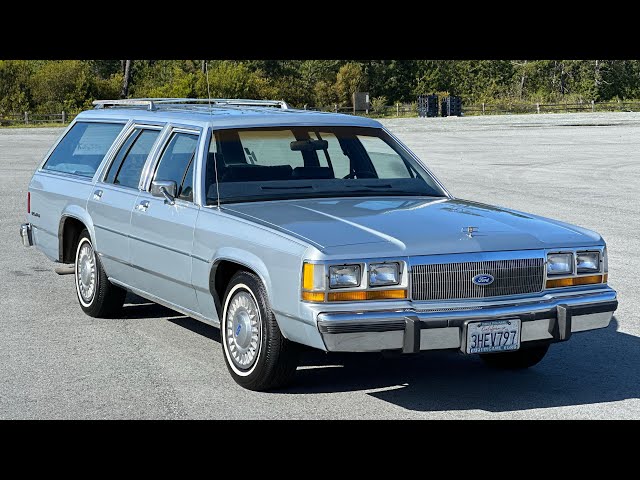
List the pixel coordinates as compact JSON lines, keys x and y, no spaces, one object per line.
{"x":367,"y":295}
{"x":570,"y":282}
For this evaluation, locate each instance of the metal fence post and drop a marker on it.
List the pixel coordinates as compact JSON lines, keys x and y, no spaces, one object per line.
{"x":483,"y":108}
{"x":538,"y":107}
{"x":64,"y":116}
{"x":593,"y":105}
{"x":26,"y":117}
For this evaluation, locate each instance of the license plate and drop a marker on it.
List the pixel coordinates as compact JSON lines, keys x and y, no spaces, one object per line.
{"x":493,"y":336}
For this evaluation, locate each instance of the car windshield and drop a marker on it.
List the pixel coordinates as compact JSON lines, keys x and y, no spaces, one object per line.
{"x":301,"y":162}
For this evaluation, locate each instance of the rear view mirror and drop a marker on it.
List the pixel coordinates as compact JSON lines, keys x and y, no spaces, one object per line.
{"x":309,"y":145}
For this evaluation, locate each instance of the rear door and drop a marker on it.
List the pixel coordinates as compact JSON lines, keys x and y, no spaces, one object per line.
{"x":162,"y":234}
{"x":114,"y":197}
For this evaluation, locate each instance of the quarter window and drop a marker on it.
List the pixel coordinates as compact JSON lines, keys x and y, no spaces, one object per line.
{"x":83,"y":148}
{"x":127,"y":167}
{"x":176,"y":163}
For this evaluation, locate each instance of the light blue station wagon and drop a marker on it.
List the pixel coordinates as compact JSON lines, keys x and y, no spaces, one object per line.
{"x":286,"y":227}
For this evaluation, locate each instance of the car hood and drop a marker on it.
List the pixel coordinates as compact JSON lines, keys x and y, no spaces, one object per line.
{"x":411,"y":226}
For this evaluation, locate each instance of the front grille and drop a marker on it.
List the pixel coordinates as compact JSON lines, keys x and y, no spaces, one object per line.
{"x":448,"y":281}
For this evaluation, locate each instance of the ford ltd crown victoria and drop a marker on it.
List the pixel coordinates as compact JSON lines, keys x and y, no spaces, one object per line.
{"x":287,"y":227}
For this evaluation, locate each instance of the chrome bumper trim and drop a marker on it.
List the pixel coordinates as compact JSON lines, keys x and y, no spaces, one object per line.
{"x":411,"y":330}
{"x":25,"y":234}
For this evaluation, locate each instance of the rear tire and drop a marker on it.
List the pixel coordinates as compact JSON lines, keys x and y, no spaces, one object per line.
{"x":518,"y":360}
{"x":97,"y":296}
{"x":256,"y":353}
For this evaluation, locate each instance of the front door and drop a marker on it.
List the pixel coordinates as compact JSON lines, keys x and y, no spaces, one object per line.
{"x":112,"y":201}
{"x":161,"y":239}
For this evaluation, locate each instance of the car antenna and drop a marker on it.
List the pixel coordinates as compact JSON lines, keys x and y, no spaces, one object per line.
{"x":215,"y":157}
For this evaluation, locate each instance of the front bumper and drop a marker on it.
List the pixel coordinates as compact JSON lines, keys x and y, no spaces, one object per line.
{"x":25,"y":234}
{"x":413,"y":329}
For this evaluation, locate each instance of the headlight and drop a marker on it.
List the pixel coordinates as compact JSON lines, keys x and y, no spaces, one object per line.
{"x":344,"y":276}
{"x":381,"y":274}
{"x":560,"y":264}
{"x":588,"y":262}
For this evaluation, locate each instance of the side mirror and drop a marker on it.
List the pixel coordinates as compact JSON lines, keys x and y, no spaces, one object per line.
{"x":165,"y":188}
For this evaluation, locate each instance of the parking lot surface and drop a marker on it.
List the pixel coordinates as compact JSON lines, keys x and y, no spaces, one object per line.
{"x":56,"y":362}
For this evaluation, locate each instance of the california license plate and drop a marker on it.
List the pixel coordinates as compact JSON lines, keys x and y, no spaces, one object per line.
{"x":493,"y":336}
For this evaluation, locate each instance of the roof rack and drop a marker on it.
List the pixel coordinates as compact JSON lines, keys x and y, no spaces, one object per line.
{"x":156,"y":103}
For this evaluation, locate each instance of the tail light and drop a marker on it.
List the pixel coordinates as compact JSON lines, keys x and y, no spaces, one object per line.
{"x":28,"y":202}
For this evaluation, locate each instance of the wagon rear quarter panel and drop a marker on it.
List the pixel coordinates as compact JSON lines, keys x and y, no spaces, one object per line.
{"x":52,"y":197}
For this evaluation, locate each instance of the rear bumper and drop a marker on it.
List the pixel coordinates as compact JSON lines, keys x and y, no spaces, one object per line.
{"x":26,"y":235}
{"x":412,"y":330}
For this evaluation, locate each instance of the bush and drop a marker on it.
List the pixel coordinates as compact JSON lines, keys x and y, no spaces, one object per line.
{"x":379,"y":104}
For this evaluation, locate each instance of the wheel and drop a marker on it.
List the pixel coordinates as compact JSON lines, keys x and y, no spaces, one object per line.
{"x":98,"y":297}
{"x":257,"y":355}
{"x":518,"y":360}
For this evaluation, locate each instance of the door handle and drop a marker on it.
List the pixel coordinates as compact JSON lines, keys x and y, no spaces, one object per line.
{"x":97,"y":195}
{"x":143,"y":205}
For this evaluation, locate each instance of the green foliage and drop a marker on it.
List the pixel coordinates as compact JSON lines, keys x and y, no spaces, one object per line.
{"x":50,"y":86}
{"x":68,"y":85}
{"x":378,"y":104}
{"x":350,"y":79}
{"x":14,"y":86}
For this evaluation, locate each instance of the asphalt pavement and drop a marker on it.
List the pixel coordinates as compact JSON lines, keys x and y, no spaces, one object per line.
{"x":56,"y":362}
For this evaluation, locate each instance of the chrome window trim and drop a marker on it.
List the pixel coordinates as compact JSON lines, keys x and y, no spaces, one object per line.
{"x":118,"y":145}
{"x":158,"y":150}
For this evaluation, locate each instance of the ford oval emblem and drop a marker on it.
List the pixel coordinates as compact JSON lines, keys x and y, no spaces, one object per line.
{"x":483,"y":279}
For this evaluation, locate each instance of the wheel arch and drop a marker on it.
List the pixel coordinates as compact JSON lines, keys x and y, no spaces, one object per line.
{"x":226,"y":264}
{"x":72,"y":222}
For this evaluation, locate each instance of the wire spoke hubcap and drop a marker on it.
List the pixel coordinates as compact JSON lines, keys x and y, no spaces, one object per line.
{"x":243,"y":330}
{"x":86,"y":272}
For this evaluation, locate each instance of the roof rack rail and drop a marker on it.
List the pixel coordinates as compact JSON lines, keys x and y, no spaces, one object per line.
{"x":155,"y":103}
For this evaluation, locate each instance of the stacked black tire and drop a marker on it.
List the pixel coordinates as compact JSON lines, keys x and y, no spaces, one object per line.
{"x":451,"y":107}
{"x":427,"y":105}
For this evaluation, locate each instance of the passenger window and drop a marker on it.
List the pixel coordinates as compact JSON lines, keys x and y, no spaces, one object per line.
{"x":386,"y":161}
{"x":83,"y":148}
{"x":176,"y":163}
{"x":126,"y":168}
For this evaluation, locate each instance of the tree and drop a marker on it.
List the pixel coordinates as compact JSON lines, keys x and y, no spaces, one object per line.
{"x":350,"y":79}
{"x":126,"y":79}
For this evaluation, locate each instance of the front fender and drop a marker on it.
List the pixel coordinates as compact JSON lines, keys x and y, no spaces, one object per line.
{"x":247,"y":259}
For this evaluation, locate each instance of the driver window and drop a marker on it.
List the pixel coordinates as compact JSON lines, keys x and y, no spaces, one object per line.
{"x":176,"y":163}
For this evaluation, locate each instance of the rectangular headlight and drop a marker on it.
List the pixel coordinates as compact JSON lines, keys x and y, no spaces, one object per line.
{"x":588,"y":262}
{"x":381,"y":274}
{"x":560,"y":264}
{"x":344,"y":276}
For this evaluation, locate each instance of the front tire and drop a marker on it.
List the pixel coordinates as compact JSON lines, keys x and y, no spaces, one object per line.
{"x":256,"y":353}
{"x":518,"y":360}
{"x":97,"y":296}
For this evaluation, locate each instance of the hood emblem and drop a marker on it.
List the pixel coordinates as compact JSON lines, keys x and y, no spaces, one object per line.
{"x":469,"y":231}
{"x":483,"y":279}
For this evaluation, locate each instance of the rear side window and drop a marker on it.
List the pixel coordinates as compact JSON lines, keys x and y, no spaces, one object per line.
{"x":127,"y":167}
{"x":176,"y":163}
{"x":83,"y":148}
